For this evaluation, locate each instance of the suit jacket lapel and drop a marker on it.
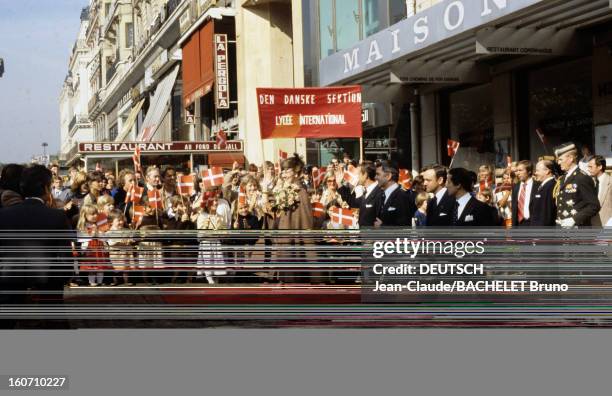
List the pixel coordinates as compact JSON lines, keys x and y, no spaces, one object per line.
{"x":466,"y":210}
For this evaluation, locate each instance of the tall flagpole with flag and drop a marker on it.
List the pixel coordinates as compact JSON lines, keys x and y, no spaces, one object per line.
{"x":452,"y":146}
{"x":542,"y":138}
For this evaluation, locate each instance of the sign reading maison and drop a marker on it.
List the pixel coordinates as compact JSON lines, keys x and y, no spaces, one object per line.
{"x":157,"y":147}
{"x":433,"y":25}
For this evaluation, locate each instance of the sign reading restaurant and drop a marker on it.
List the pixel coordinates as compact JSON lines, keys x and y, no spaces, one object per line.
{"x":433,"y":25}
{"x":158,"y":147}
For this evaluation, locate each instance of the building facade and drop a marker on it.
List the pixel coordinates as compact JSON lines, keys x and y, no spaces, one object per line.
{"x":75,"y":124}
{"x":488,"y":73}
{"x":184,"y":70}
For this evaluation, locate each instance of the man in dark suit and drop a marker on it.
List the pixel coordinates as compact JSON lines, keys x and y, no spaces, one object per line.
{"x":544,"y":209}
{"x":395,"y":209}
{"x":576,"y":194}
{"x":523,"y":194}
{"x":468,"y":211}
{"x":440,"y":207}
{"x":40,"y":261}
{"x":369,"y":202}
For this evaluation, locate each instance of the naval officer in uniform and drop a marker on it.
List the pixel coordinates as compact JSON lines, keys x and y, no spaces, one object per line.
{"x":575,"y":191}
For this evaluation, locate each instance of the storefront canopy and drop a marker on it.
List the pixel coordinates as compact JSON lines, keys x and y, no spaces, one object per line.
{"x":129,"y":122}
{"x":159,"y":105}
{"x":198,"y":67}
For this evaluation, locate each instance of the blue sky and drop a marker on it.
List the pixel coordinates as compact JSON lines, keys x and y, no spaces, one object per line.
{"x":36,"y":37}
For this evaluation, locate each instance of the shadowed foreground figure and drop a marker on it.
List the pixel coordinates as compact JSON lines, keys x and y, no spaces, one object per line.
{"x":34,"y":252}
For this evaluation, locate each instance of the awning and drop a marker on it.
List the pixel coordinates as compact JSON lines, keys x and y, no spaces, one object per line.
{"x":129,"y":122}
{"x":198,"y":66}
{"x":225,"y":160}
{"x":158,"y":107}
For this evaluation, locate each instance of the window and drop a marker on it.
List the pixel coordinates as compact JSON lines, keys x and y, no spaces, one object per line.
{"x":560,"y":103}
{"x":343,"y":23}
{"x":471,"y":123}
{"x":129,"y":35}
{"x":397,"y":11}
{"x":326,"y":27}
{"x":374,"y":16}
{"x":113,"y":132}
{"x":347,"y":24}
{"x":106,"y":9}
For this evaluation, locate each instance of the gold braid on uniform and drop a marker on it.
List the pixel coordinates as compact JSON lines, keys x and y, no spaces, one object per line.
{"x":557,"y":188}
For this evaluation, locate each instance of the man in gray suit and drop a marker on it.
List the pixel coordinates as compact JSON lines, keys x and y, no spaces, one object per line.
{"x":603,"y":182}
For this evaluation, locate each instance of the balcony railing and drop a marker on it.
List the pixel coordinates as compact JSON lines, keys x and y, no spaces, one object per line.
{"x":95,"y":99}
{"x":110,"y":72}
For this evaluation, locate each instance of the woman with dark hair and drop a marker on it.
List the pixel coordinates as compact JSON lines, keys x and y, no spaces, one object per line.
{"x":96,"y":184}
{"x":10,"y":191}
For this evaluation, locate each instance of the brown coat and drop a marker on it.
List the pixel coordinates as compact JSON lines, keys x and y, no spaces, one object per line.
{"x":299,"y":218}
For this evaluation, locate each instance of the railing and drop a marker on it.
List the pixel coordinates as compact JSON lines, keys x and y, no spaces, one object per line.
{"x":95,"y":99}
{"x":110,"y":72}
{"x":171,"y":6}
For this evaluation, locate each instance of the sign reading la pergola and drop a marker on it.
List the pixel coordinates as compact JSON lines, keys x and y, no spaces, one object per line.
{"x":310,"y":112}
{"x":158,"y":147}
{"x":222,"y":89}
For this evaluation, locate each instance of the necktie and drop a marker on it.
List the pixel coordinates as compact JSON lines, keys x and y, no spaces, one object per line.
{"x":455,"y":217}
{"x":521,"y":202}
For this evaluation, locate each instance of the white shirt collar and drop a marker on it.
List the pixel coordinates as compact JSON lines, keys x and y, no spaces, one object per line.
{"x":462,"y":203}
{"x":390,"y":190}
{"x":570,"y":171}
{"x":369,"y":189}
{"x":547,"y":180}
{"x":440,"y":195}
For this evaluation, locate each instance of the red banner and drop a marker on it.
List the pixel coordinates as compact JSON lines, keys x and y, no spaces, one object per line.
{"x":310,"y":112}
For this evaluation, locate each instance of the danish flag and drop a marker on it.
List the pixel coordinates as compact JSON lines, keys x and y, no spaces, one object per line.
{"x":242,"y":197}
{"x":351,"y":175}
{"x":221,"y":139}
{"x":318,"y":209}
{"x":139,"y":211}
{"x":102,"y":222}
{"x":186,"y":185}
{"x":318,"y":174}
{"x":98,"y":167}
{"x":282,"y":155}
{"x":485,"y":184}
{"x":155,"y":199}
{"x":405,"y":179}
{"x":208,"y":197}
{"x":212,"y":177}
{"x":343,"y":216}
{"x":134,"y":195}
{"x":136,"y":160}
{"x":452,"y":146}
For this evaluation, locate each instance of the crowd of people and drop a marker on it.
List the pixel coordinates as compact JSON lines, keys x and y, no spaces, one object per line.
{"x":290,"y":196}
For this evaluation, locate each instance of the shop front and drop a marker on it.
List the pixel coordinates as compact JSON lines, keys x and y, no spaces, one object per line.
{"x":502,"y":78}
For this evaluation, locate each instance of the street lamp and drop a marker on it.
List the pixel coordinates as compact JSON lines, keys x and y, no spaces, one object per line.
{"x":44,"y":146}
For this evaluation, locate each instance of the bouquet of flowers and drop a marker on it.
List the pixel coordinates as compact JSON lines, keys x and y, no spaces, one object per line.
{"x":286,"y":196}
